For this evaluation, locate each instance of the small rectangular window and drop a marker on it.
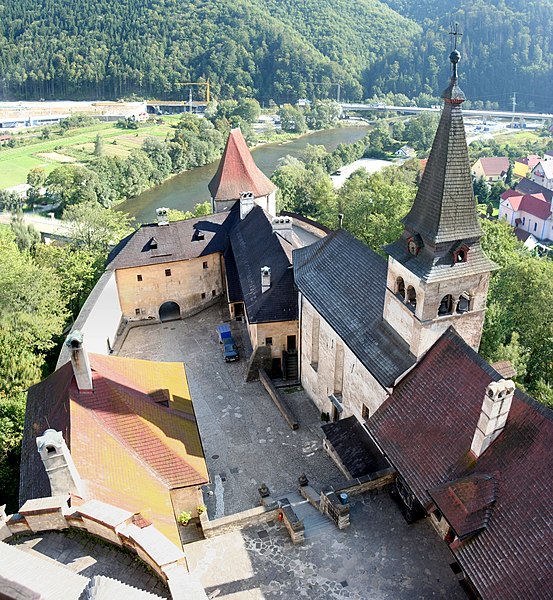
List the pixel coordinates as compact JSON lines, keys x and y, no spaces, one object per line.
{"x":268,"y":341}
{"x":213,"y":292}
{"x":535,"y":226}
{"x":139,"y":278}
{"x":365,"y":412}
{"x":136,"y":311}
{"x":203,"y":295}
{"x":205,"y":264}
{"x":167,"y":272}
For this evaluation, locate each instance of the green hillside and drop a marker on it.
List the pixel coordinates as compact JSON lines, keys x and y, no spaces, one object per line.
{"x":273,"y":49}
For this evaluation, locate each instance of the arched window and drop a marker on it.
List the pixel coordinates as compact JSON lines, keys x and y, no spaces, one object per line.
{"x":411,"y":297}
{"x":463,"y":304}
{"x":400,"y":288}
{"x":446,"y":306}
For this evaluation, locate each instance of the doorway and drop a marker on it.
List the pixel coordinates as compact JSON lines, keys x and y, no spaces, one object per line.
{"x":169,"y":311}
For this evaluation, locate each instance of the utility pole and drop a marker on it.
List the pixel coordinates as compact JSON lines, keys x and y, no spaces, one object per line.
{"x":190,"y":100}
{"x":514,"y":99}
{"x":338,"y":93}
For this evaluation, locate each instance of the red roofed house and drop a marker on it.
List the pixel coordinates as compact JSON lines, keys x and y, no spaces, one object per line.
{"x":492,"y":169}
{"x":118,"y":430}
{"x":239,"y":178}
{"x":529,"y":213}
{"x":475,"y":454}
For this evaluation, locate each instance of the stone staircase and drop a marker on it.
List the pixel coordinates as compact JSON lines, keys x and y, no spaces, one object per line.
{"x":314,"y":521}
{"x":104,"y":588}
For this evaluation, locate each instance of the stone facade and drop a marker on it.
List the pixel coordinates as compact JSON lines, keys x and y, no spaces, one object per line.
{"x":420,"y":326}
{"x":322,"y":351}
{"x":274,"y":335}
{"x":192,"y":284}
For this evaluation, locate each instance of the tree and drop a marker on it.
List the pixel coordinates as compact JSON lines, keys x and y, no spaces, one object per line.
{"x":10,"y":201}
{"x":292,"y":120}
{"x":35,"y":178}
{"x":26,"y":236}
{"x":98,"y":146}
{"x":94,"y":228}
{"x":481,"y":190}
{"x":323,"y":114}
{"x":420,"y":131}
{"x":70,"y":184}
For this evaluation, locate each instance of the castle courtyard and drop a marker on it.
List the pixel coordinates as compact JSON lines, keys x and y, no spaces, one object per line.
{"x":247,"y":442}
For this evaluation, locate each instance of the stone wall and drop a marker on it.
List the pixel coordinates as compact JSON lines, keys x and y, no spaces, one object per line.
{"x":368,"y":483}
{"x":253,"y":516}
{"x":278,"y":332}
{"x":319,"y":378}
{"x":193,"y":284}
{"x":120,"y":527}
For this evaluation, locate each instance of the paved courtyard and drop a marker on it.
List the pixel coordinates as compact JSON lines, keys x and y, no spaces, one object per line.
{"x":247,"y":442}
{"x":90,"y":556}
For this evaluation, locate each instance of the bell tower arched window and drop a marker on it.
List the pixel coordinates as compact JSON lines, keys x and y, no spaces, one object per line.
{"x":446,"y":306}
{"x":411,"y":297}
{"x":463,"y":304}
{"x":400,"y":288}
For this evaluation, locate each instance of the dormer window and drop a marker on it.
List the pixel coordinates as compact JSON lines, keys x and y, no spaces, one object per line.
{"x":414,"y":245}
{"x":153,"y":243}
{"x":460,"y":253}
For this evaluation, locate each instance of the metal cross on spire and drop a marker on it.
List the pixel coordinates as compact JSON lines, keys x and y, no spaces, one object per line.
{"x":455,"y":33}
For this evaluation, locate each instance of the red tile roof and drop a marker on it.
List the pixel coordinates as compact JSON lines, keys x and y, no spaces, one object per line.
{"x":238,"y":172}
{"x":531,"y":160}
{"x":494,"y":165}
{"x":533,"y":204}
{"x":129,"y":450}
{"x":426,"y":428}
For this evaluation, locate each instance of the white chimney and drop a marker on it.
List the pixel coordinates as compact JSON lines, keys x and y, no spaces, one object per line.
{"x":247,"y":202}
{"x":162,"y":215}
{"x":79,"y":361}
{"x":58,"y":462}
{"x":265,"y":279}
{"x":283,"y":226}
{"x":493,"y":416}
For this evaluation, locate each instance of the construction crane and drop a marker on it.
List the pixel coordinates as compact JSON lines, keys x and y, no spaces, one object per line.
{"x":207,"y":88}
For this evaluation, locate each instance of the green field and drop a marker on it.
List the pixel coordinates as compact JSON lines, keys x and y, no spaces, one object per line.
{"x":77,"y":145}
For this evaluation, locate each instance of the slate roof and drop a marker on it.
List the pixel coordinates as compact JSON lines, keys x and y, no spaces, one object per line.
{"x":527,"y":186}
{"x":129,"y":449}
{"x":357,"y":451}
{"x":493,"y":166}
{"x":254,"y":245}
{"x":237,"y":172}
{"x":445,"y":208}
{"x":179,"y":240}
{"x":426,"y":427}
{"x":346,"y":283}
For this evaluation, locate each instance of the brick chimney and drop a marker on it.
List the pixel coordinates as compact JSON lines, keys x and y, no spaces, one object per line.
{"x":247,"y":202}
{"x":79,"y":361}
{"x":58,"y":462}
{"x":162,"y":215}
{"x":265,"y":279}
{"x":493,"y":416}
{"x":283,"y":226}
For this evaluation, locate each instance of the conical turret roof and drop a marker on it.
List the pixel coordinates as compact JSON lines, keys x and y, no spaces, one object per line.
{"x":238,"y":173}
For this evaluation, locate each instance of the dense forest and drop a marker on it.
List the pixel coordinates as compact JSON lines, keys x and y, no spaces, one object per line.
{"x":277,"y":50}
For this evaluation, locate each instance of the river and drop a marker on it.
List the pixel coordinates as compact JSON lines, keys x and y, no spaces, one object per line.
{"x":187,"y":189}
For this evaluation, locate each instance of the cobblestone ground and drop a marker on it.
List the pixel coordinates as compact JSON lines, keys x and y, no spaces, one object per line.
{"x":89,"y":556}
{"x":379,"y":557}
{"x":245,"y":438}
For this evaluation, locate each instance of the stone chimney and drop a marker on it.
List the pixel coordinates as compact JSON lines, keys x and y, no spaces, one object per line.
{"x":79,"y":361}
{"x":247,"y":202}
{"x":283,"y":226}
{"x":493,"y":416}
{"x":162,"y":215}
{"x":58,"y":462}
{"x":265,"y":279}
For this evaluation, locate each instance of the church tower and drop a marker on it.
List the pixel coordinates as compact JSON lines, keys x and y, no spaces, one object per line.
{"x":438,"y":274}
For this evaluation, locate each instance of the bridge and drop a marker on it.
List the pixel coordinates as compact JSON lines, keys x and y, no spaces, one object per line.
{"x":49,"y":228}
{"x":501,"y":114}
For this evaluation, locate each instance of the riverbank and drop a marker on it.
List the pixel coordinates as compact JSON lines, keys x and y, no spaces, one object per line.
{"x":188,"y":188}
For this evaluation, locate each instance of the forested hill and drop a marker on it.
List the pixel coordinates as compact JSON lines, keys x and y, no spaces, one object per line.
{"x":273,"y":49}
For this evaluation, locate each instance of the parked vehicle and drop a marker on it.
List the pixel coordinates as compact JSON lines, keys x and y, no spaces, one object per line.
{"x":223,"y":331}
{"x":230,"y":351}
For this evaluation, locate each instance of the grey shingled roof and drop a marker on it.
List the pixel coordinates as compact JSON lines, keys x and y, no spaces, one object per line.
{"x":180,"y":240}
{"x":527,"y":186}
{"x":445,"y":209}
{"x":346,"y":282}
{"x":254,"y":245}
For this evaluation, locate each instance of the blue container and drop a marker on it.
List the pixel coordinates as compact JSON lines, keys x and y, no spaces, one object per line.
{"x":344,"y":498}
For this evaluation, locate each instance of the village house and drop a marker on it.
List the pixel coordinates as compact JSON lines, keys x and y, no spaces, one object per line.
{"x":542,"y":174}
{"x":492,"y":168}
{"x":529,"y":214}
{"x":523,"y":166}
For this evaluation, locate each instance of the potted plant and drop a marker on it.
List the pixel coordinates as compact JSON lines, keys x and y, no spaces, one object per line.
{"x":183,"y":518}
{"x":201,"y":509}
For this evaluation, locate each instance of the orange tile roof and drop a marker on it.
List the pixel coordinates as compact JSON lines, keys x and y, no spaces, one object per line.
{"x":130,"y":450}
